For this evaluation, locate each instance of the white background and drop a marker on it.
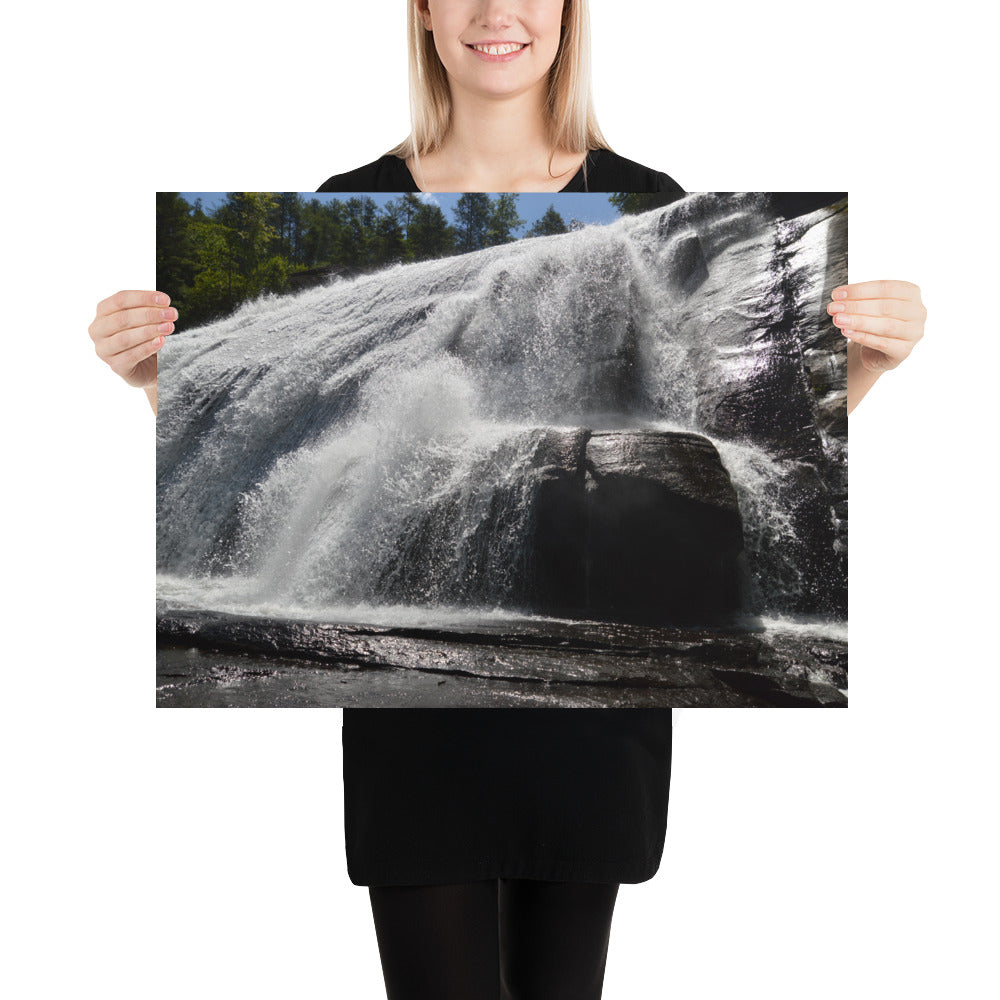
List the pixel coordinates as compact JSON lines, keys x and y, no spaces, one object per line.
{"x":200,"y":854}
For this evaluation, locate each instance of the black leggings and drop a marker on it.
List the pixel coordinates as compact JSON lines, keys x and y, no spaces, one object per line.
{"x":506,"y":939}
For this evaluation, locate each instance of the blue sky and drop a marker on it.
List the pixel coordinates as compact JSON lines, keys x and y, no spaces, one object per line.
{"x":588,"y":208}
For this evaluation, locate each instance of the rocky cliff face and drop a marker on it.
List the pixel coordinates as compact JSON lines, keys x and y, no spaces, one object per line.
{"x":771,"y":368}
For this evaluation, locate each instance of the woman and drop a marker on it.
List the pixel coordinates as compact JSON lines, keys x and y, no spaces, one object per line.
{"x":494,"y":841}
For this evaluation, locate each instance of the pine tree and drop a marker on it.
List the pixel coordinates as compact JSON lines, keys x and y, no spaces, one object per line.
{"x":633,"y":203}
{"x":390,"y":239}
{"x":550,"y":224}
{"x":472,"y":221}
{"x":287,"y":221}
{"x":175,"y":252}
{"x":429,"y":236}
{"x":503,"y":220}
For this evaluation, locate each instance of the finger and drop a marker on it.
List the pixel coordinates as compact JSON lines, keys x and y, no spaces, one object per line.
{"x":905,"y":309}
{"x":130,"y":319}
{"x":878,"y":290}
{"x":887,"y":345}
{"x":112,"y":347}
{"x":882,"y":326}
{"x":123,"y":363}
{"x":131,"y":300}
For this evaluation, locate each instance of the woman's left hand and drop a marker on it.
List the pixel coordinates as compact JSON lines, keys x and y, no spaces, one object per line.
{"x":885,"y":318}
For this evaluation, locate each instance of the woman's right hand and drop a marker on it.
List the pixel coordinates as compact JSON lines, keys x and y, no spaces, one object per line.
{"x":128,"y":330}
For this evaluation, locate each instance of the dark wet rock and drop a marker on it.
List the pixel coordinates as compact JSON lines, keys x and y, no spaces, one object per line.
{"x":664,"y":528}
{"x":685,"y":265}
{"x":764,"y":399}
{"x":243,"y":660}
{"x":640,"y":526}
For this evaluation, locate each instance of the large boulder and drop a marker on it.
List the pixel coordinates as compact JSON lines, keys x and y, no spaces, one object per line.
{"x":634,"y":526}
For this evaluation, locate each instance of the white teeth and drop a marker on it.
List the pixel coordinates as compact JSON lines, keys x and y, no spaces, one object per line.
{"x":498,"y":50}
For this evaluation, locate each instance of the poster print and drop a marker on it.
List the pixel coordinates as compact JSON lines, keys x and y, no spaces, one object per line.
{"x":502,"y":450}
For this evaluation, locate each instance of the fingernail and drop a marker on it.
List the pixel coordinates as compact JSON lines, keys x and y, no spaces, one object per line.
{"x":165,"y":327}
{"x":844,"y":320}
{"x":840,"y":293}
{"x":159,"y":299}
{"x":837,"y":307}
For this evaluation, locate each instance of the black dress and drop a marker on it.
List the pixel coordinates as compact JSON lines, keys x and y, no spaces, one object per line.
{"x":454,"y":795}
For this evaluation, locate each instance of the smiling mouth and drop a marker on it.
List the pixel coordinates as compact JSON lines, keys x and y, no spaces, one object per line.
{"x":500,"y":50}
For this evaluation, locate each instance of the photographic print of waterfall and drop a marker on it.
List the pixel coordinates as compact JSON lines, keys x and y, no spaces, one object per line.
{"x":438,"y":463}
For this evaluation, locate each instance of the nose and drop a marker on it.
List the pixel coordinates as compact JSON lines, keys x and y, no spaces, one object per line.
{"x":496,"y":14}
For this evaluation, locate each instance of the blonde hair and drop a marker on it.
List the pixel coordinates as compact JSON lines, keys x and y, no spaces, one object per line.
{"x":572,"y":124}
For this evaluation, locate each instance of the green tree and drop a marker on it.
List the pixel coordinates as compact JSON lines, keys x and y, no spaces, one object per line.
{"x":176,"y":262}
{"x":269,"y":276}
{"x":633,"y":203}
{"x":217,"y":288}
{"x":405,"y":209}
{"x":249,"y":232}
{"x":322,"y":236}
{"x":429,"y":236}
{"x":286,"y":219}
{"x":472,"y":221}
{"x":358,"y":240}
{"x":503,"y":220}
{"x":550,"y":224}
{"x":390,"y":237}
{"x":235,"y":249}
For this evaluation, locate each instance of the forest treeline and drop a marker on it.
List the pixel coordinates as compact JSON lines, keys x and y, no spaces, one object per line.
{"x":211,"y":261}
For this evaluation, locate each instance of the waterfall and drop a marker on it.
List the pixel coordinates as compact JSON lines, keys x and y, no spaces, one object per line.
{"x":374,"y":443}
